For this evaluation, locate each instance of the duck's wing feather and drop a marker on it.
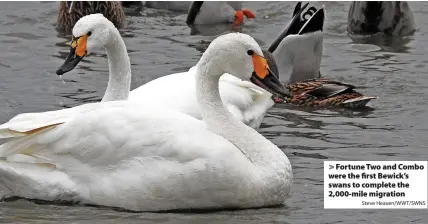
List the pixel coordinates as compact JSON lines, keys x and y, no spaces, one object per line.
{"x":320,"y":87}
{"x":329,"y":90}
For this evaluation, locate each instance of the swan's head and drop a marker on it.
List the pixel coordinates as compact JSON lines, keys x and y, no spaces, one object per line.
{"x":240,"y":55}
{"x":90,"y":33}
{"x":298,"y":49}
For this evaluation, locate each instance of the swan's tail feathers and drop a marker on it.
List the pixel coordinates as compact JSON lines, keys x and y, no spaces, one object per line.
{"x":358,"y":102}
{"x":23,"y":143}
{"x":31,"y":123}
{"x":17,"y":131}
{"x":34,"y":181}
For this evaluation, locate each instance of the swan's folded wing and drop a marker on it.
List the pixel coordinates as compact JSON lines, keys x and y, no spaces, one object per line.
{"x":245,"y":100}
{"x":28,"y":123}
{"x":106,"y":136}
{"x":176,"y":92}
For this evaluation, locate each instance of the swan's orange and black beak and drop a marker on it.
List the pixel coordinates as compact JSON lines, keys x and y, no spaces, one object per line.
{"x":265,"y":78}
{"x":77,"y":52}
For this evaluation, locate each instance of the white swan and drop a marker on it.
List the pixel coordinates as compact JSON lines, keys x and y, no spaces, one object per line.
{"x":123,"y":154}
{"x":246,"y":101}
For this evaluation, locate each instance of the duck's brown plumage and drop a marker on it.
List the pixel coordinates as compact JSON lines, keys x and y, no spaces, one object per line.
{"x":317,"y":92}
{"x":112,"y":10}
{"x":324,"y":93}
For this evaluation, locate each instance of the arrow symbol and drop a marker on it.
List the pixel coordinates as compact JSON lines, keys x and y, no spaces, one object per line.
{"x":330,"y":166}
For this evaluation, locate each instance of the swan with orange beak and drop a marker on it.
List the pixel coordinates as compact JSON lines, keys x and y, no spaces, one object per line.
{"x":245,"y":100}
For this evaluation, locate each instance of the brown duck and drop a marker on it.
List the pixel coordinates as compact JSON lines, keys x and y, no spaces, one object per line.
{"x":298,"y":51}
{"x":71,"y":11}
{"x":392,"y":18}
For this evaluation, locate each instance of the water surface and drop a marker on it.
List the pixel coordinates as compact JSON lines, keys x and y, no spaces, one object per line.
{"x":159,"y":43}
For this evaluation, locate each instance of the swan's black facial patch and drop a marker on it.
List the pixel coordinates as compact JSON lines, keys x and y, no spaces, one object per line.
{"x":250,"y":52}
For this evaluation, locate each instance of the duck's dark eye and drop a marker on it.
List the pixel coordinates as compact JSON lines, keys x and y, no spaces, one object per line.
{"x":250,"y":52}
{"x":89,"y":33}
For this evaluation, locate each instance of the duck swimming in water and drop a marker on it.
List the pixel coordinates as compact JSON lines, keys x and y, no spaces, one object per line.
{"x":210,"y":12}
{"x":297,"y":52}
{"x":206,"y":12}
{"x":392,"y":18}
{"x":71,"y":11}
{"x":198,"y":12}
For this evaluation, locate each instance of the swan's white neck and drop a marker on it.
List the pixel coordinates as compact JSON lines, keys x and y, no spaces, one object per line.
{"x":261,"y":152}
{"x":119,"y":82}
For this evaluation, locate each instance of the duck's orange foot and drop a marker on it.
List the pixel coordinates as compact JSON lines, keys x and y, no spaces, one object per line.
{"x":249,"y":14}
{"x":239,"y":16}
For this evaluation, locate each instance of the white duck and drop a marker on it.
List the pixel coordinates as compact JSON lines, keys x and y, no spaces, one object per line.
{"x":212,"y":12}
{"x":128,"y":155}
{"x":206,"y":12}
{"x":248,"y":102}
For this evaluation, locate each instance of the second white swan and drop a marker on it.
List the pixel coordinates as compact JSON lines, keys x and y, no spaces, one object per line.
{"x":246,"y":101}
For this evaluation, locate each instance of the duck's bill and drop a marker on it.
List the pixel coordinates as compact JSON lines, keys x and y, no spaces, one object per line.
{"x":77,"y":52}
{"x":265,"y":78}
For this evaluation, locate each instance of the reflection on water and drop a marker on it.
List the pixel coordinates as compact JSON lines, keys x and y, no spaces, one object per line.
{"x":160,"y":43}
{"x":387,"y":43}
{"x":209,"y":30}
{"x":81,"y":96}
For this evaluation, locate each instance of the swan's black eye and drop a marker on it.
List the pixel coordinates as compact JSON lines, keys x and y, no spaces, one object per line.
{"x":250,"y":52}
{"x":89,"y":33}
